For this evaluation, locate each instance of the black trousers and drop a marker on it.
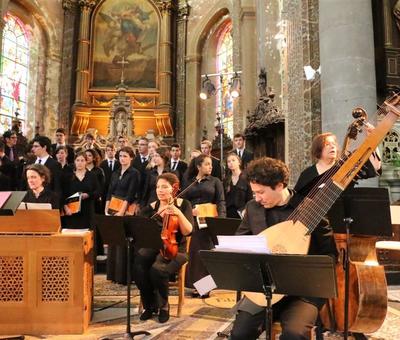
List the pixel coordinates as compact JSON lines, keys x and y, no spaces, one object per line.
{"x":152,"y":274}
{"x":297,"y":318}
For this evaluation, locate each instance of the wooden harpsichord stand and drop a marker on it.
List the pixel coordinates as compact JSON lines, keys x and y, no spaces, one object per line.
{"x":46,"y":278}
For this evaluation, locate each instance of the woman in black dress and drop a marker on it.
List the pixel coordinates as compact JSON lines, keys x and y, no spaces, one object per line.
{"x":85,"y":183}
{"x":62,"y":156}
{"x":124,"y":184}
{"x":207,"y":189}
{"x":93,"y":162}
{"x":160,"y":158}
{"x":152,"y":270}
{"x":237,"y":188}
{"x":38,"y":176}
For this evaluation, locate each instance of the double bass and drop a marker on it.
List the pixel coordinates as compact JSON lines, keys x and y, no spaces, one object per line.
{"x":367,"y":287}
{"x":293,"y":235}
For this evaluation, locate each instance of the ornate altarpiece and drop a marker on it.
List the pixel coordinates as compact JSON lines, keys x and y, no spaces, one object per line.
{"x":130,"y":36}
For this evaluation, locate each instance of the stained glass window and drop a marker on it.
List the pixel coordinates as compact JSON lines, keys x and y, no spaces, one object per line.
{"x":14,"y":72}
{"x":225,"y":65}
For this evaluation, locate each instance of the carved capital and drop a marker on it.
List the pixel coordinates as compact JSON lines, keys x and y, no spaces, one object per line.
{"x":87,"y":4}
{"x":165,"y":5}
{"x":183,"y":11}
{"x":69,"y":5}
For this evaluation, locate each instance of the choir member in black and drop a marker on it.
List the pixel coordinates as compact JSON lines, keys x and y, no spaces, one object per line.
{"x":237,"y":188}
{"x":41,"y":147}
{"x":38,"y":176}
{"x":141,"y":160}
{"x":61,"y":141}
{"x":93,"y":161}
{"x":152,"y":270}
{"x":206,"y":147}
{"x":84,"y":182}
{"x":177,"y":166}
{"x":109,"y":165}
{"x":62,"y":156}
{"x":125,"y":185}
{"x":273,"y":203}
{"x":240,"y":149}
{"x":7,"y":170}
{"x":325,"y":151}
{"x":207,"y":189}
{"x":14,"y":165}
{"x":160,"y":160}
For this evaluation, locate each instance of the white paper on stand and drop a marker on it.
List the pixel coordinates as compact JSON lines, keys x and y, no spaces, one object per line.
{"x":245,"y":243}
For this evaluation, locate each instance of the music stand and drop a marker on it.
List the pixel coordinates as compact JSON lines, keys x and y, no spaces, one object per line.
{"x":12,"y":203}
{"x":355,"y":213}
{"x":222,"y":226}
{"x":113,"y":230}
{"x":296,"y":275}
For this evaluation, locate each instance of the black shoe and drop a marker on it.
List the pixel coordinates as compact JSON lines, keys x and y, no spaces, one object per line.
{"x":163,"y":315}
{"x":147,"y":314}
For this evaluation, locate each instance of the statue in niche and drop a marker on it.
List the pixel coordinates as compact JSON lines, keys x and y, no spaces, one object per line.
{"x":121,"y":124}
{"x":262,"y":83}
{"x":396,"y":12}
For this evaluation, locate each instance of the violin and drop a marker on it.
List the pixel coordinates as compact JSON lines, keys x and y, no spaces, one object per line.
{"x":171,"y":224}
{"x":169,"y":230}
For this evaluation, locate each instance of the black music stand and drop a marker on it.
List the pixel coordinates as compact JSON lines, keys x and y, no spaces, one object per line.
{"x":360,"y":211}
{"x":222,"y":226}
{"x":12,"y":203}
{"x":114,"y":232}
{"x":296,"y":275}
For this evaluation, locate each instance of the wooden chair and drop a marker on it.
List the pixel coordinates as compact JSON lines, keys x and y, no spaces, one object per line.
{"x":277,"y":329}
{"x":179,"y":283}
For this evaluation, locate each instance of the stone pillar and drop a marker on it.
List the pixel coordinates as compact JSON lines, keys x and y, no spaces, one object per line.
{"x":183,"y":13}
{"x":249,"y":64}
{"x":3,"y":11}
{"x":192,"y":126}
{"x":165,"y":56}
{"x":347,"y":62}
{"x":82,"y":69}
{"x":387,"y":19}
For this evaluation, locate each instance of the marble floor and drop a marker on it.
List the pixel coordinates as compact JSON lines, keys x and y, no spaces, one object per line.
{"x":201,"y":319}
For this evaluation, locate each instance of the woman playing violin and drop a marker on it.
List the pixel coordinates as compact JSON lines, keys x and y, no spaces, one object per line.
{"x":152,"y":269}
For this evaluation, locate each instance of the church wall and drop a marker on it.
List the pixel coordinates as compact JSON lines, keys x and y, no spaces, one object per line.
{"x":203,"y":18}
{"x":43,"y":18}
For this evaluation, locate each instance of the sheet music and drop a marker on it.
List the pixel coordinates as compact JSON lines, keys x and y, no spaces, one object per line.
{"x":34,"y":206}
{"x":4,"y":195}
{"x":248,"y":243}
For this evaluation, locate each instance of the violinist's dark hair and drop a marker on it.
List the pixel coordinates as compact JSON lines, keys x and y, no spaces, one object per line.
{"x":194,"y":164}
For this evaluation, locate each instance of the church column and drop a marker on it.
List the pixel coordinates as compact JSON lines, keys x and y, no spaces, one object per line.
{"x":248,"y":41}
{"x":82,"y":69}
{"x":163,"y":119}
{"x":3,"y":11}
{"x":347,"y":62}
{"x":193,"y":84}
{"x":183,"y":13}
{"x":165,"y":55}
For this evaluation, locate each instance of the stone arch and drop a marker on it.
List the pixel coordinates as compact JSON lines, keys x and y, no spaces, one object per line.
{"x":193,"y":66}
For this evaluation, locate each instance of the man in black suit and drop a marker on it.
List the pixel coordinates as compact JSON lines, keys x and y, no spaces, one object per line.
{"x":205,"y":147}
{"x":240,"y":149}
{"x":141,"y":160}
{"x":61,"y":141}
{"x":109,"y":164}
{"x":177,"y":166}
{"x":41,"y":147}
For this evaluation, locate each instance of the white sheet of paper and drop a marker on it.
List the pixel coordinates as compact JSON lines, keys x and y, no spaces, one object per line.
{"x":395,"y":214}
{"x":38,"y":206}
{"x":205,"y":285}
{"x":250,"y":243}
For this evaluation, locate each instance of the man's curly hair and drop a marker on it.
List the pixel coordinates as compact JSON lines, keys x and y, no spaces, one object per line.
{"x":268,"y":171}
